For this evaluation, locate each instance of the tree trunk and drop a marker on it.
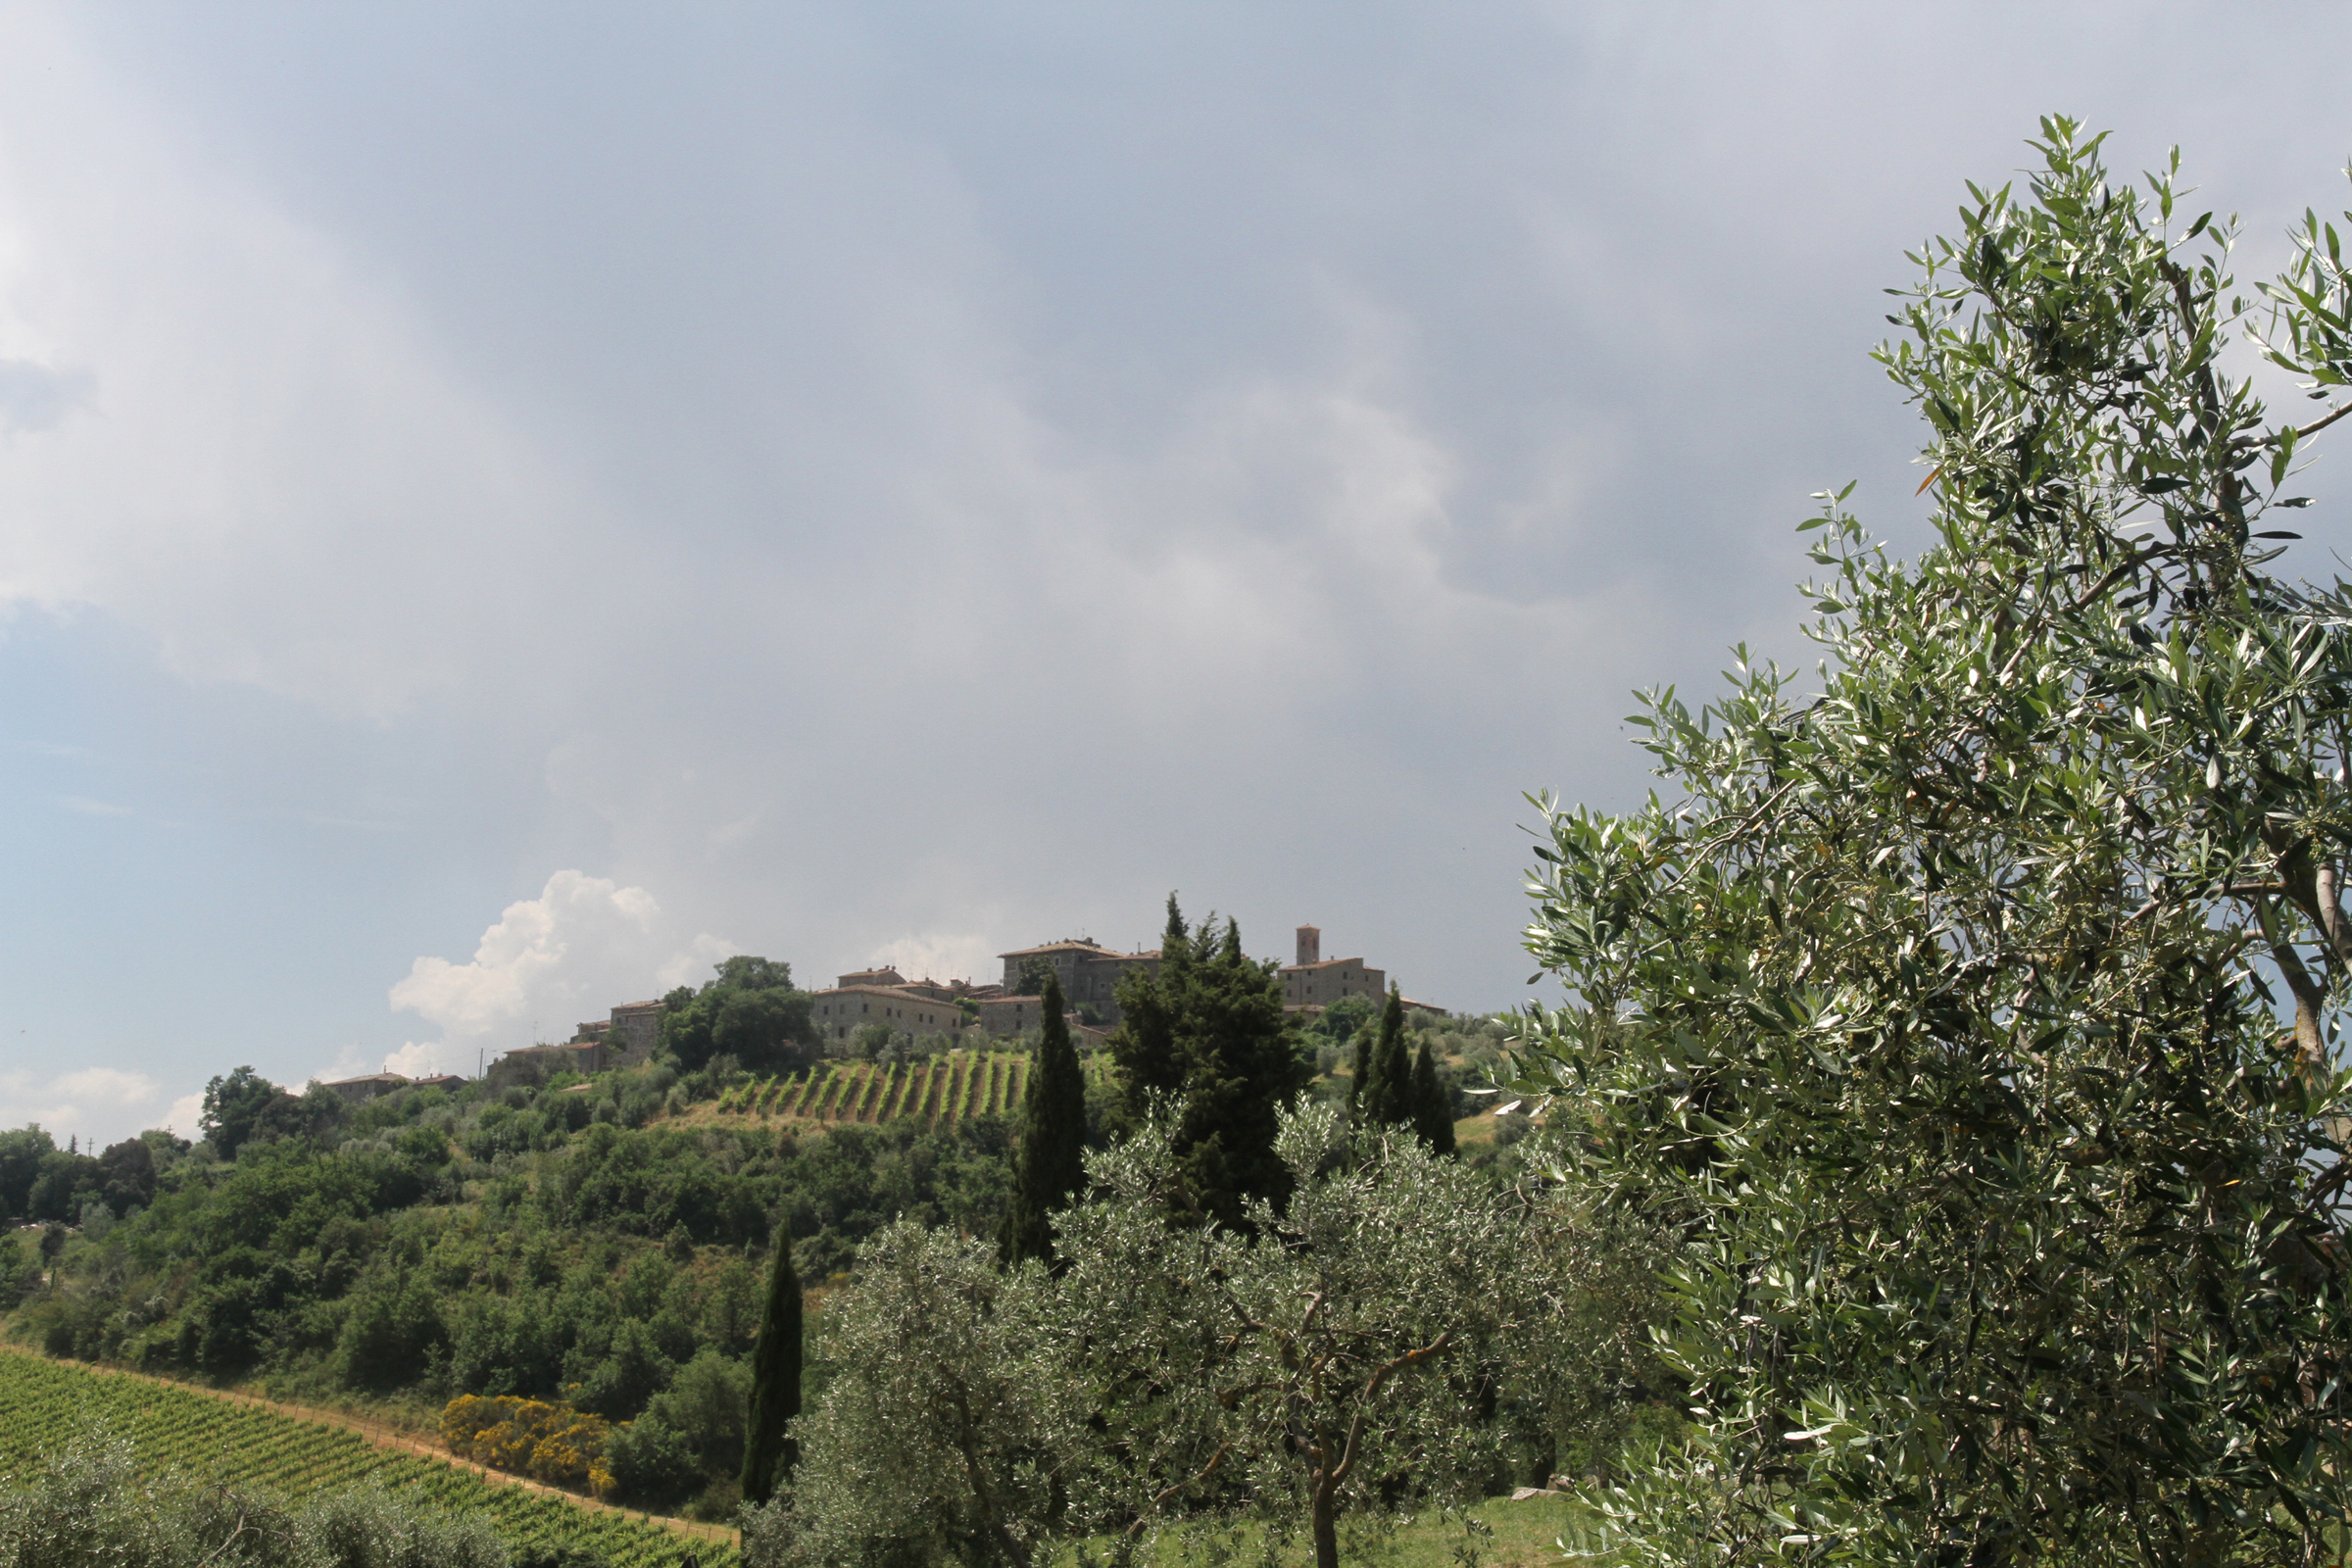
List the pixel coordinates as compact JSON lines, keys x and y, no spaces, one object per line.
{"x":1326,"y":1526}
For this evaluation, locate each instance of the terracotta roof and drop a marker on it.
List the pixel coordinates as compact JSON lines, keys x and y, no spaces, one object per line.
{"x":1083,"y":944}
{"x":894,"y":993}
{"x":1300,"y":968}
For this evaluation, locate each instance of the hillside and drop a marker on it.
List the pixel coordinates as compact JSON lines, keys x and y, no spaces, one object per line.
{"x":596,"y":1241}
{"x":227,"y":1440}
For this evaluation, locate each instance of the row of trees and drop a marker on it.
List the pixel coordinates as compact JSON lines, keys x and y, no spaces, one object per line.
{"x":1383,"y":1337}
{"x":40,"y":1182}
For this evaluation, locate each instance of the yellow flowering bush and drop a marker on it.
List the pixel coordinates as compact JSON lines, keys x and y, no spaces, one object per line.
{"x":541,"y":1439}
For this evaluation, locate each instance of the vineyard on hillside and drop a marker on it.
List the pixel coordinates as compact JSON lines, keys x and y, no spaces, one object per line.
{"x":44,"y":1402}
{"x":939,"y":1093}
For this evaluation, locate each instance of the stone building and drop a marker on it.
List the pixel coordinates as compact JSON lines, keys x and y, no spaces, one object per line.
{"x":531,"y":1064}
{"x":1315,"y":981}
{"x":365,"y":1087}
{"x":908,"y":1009}
{"x":1090,"y":974}
{"x":628,"y":1035}
{"x":1010,"y":1017}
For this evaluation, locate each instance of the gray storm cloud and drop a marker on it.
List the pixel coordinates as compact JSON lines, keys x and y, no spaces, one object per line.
{"x":907,"y":485}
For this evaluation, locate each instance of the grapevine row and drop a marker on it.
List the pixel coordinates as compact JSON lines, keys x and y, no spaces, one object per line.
{"x":44,"y":1403}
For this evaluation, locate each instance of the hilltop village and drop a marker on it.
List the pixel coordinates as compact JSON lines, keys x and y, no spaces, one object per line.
{"x":960,"y":1011}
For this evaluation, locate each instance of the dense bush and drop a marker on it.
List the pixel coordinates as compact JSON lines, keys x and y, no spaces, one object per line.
{"x":547,"y":1442}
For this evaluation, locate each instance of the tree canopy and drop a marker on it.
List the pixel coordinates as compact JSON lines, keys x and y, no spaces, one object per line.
{"x":1208,"y":1033}
{"x":748,"y":1011}
{"x":1975,"y":1015}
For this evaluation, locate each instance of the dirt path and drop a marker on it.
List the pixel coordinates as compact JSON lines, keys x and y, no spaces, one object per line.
{"x":380,"y":1436}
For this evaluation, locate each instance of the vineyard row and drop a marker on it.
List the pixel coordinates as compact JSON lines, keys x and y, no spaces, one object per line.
{"x":43,"y":1404}
{"x":939,"y":1093}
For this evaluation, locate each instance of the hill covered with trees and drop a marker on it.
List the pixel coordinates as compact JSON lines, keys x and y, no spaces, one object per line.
{"x":601,"y":1243}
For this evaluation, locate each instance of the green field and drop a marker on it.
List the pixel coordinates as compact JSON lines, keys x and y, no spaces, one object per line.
{"x":1504,"y":1534}
{"x":43,"y":1403}
{"x":939,"y":1093}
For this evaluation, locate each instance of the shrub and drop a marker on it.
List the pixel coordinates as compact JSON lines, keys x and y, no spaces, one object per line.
{"x":544,"y":1439}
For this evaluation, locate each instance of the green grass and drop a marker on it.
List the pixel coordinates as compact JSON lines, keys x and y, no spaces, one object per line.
{"x":43,"y":1403}
{"x":1517,"y":1534}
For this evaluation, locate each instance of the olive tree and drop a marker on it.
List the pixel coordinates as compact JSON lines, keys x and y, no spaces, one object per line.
{"x":1975,"y":1013}
{"x":1350,"y":1352}
{"x":950,"y":1426}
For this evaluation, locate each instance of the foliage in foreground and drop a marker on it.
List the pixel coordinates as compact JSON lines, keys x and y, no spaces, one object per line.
{"x":90,"y":1505}
{"x":1943,"y":1009}
{"x":245,"y":1449}
{"x":1381,"y":1342}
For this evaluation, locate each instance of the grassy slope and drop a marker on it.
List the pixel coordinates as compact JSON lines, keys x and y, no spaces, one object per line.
{"x":243,"y":1442}
{"x":1516,"y":1535}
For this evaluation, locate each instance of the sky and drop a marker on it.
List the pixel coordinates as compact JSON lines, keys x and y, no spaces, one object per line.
{"x":503,"y":505}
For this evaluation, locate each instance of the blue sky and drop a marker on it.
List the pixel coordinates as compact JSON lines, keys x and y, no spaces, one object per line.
{"x":501,"y":506}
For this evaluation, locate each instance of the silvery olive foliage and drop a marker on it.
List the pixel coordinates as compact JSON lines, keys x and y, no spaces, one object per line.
{"x":1349,"y":1355}
{"x":951,"y":1429}
{"x":92,"y":1506}
{"x":1973,"y":1012}
{"x":1352,"y":1353}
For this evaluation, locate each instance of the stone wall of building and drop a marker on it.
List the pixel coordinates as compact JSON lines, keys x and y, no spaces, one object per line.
{"x":365,"y":1087}
{"x":633,"y":1031}
{"x":1315,"y":981}
{"x":1089,"y":974}
{"x":843,"y":1009}
{"x":531,"y":1064}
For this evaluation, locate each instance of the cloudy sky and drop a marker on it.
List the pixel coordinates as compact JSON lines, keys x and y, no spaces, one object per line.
{"x":503,"y":505}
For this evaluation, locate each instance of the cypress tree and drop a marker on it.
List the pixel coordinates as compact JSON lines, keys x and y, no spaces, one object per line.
{"x":1049,"y":1168}
{"x":769,"y":1451}
{"x":1433,"y":1106}
{"x":1391,"y":1101}
{"x":1145,"y":1045}
{"x":1360,"y":1096}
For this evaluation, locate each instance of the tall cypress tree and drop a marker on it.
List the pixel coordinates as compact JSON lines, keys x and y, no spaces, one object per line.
{"x":1144,"y":1045}
{"x":1049,"y":1168}
{"x":1433,"y":1106}
{"x":769,"y":1451}
{"x":1390,"y":1096}
{"x":1360,"y":1094}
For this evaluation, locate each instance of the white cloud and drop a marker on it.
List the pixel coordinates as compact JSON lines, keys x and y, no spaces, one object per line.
{"x":97,"y":1105}
{"x":422,"y":1059}
{"x":583,"y":945}
{"x":937,"y":955}
{"x":182,"y":1118}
